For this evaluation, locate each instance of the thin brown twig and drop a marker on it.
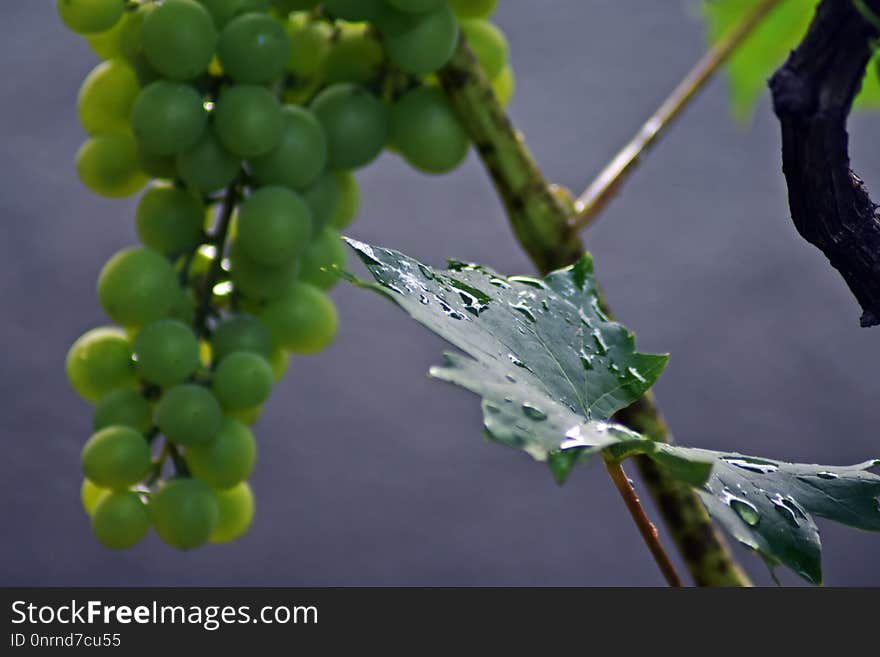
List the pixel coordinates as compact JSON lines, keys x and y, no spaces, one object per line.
{"x":646,"y":527}
{"x":611,"y":178}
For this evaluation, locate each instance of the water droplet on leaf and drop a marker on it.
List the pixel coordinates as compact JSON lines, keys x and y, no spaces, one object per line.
{"x":533,"y":413}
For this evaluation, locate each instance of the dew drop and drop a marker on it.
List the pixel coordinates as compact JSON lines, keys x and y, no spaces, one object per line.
{"x":516,"y":361}
{"x":826,"y":475}
{"x":635,"y":373}
{"x":450,"y":312}
{"x":533,"y":413}
{"x":601,"y":345}
{"x":528,"y":280}
{"x":760,"y":467}
{"x":787,"y":509}
{"x":524,"y":309}
{"x":586,"y":359}
{"x":745,"y":510}
{"x":423,"y":300}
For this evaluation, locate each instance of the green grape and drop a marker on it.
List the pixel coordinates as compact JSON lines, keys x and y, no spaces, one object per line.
{"x":109,"y":44}
{"x":123,"y":41}
{"x":123,"y":408}
{"x":116,"y":457}
{"x":355,"y":122}
{"x":146,"y":74}
{"x":242,"y":380}
{"x":416,"y":6}
{"x":304,"y":321}
{"x":106,"y":98}
{"x":167,"y":352}
{"x":168,"y":117}
{"x":236,"y":512}
{"x":179,"y":38}
{"x":300,"y":156}
{"x":100,"y":362}
{"x":323,"y":260}
{"x":170,"y":220}
{"x":324,"y":198}
{"x":420,"y":43}
{"x":208,"y":166}
{"x":489,"y":45}
{"x":274,"y":225}
{"x":426,"y":131}
{"x":108,"y":166}
{"x":354,"y":10}
{"x":504,"y":86}
{"x":473,"y":8}
{"x":131,"y":38}
{"x":247,"y":416}
{"x":136,"y":286}
{"x":184,"y":513}
{"x":288,"y":6}
{"x":241,"y":333}
{"x":253,"y":49}
{"x":189,"y":414}
{"x":90,"y":16}
{"x":184,"y":307}
{"x":90,"y":494}
{"x":248,"y":120}
{"x":355,"y":56}
{"x":121,"y":520}
{"x":224,"y":11}
{"x":309,"y":45}
{"x":260,"y":282}
{"x":348,"y":202}
{"x":156,"y":166}
{"x":228,"y":459}
{"x":280,"y":362}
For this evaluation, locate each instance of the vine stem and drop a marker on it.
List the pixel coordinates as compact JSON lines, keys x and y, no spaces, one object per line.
{"x":609,"y":181}
{"x":646,"y":527}
{"x":218,"y":240}
{"x":540,"y":224}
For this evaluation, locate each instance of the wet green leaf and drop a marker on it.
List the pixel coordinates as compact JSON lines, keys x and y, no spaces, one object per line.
{"x":550,"y":366}
{"x":551,"y":369}
{"x":768,"y":505}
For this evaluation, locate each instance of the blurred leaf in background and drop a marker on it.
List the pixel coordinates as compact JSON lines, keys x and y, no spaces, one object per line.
{"x":753,"y":63}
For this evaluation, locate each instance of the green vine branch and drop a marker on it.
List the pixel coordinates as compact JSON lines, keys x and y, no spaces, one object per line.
{"x":541,"y":225}
{"x":609,"y":181}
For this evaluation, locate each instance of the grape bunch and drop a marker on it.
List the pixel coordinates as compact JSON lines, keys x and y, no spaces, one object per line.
{"x":244,"y":120}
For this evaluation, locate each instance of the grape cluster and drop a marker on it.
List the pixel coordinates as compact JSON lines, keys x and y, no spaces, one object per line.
{"x":246,"y":118}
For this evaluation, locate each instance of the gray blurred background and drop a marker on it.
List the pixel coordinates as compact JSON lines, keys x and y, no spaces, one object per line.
{"x":369,"y":473}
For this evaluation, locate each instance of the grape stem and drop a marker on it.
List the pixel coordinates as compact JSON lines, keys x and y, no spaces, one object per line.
{"x":218,"y":239}
{"x":158,"y":464}
{"x":646,"y":527}
{"x":610,"y":180}
{"x":541,"y":225}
